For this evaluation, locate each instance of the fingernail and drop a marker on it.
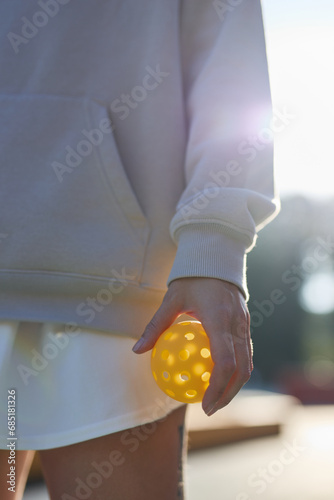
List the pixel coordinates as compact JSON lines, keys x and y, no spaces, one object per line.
{"x":138,"y":345}
{"x":212,"y":411}
{"x":209,"y":409}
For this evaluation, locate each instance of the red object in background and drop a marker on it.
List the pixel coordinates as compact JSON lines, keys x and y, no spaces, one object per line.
{"x":293,"y":381}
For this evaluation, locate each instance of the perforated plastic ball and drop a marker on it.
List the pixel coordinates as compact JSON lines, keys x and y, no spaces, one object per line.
{"x":181,"y":361}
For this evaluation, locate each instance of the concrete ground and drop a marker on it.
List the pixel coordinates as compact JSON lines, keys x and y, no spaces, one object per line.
{"x":297,"y":464}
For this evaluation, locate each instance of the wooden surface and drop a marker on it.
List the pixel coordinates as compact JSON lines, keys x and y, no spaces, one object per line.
{"x":251,"y":414}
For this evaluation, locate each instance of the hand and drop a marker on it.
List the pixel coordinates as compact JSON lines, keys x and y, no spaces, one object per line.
{"x":222,"y":310}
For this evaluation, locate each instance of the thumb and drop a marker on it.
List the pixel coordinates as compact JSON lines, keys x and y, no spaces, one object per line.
{"x":162,"y":319}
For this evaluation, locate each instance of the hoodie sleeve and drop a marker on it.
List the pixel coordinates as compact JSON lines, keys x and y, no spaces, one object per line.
{"x":229,"y":193}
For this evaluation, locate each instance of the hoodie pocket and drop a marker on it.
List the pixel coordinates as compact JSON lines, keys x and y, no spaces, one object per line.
{"x":67,"y":205}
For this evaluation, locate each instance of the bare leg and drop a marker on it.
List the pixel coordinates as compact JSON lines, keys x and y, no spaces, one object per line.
{"x":23,"y":460}
{"x":143,"y":463}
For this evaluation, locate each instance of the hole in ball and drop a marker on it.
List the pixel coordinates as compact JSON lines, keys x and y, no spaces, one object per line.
{"x":191,"y":393}
{"x":166,"y":375}
{"x":184,"y":355}
{"x":184,"y":376}
{"x":198,"y":368}
{"x":170,"y":393}
{"x":206,"y":376}
{"x":205,"y":353}
{"x":164,"y":355}
{"x":189,"y":336}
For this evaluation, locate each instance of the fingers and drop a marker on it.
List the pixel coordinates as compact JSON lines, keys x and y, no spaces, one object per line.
{"x":232,"y":354}
{"x":162,"y":319}
{"x":239,"y":378}
{"x":223,"y":313}
{"x":222,"y":352}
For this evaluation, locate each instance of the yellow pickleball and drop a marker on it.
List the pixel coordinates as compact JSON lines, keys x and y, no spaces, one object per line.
{"x":181,"y":361}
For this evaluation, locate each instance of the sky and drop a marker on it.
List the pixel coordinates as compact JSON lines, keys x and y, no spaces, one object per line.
{"x":300,"y":49}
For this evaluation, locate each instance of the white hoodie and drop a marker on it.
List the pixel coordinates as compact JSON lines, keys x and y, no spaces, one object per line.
{"x":135,"y":149}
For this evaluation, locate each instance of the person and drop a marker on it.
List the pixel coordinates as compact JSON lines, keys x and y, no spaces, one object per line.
{"x":136,"y":172}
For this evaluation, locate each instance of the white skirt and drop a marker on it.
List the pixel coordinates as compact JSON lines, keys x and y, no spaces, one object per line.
{"x":72,"y":387}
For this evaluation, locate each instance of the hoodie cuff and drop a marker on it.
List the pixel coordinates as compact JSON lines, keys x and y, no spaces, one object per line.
{"x":204,"y":250}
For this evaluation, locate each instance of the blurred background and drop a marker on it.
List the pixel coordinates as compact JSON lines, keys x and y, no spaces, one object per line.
{"x":291,"y":284}
{"x":276,"y":439}
{"x":294,"y":339}
{"x":291,"y":278}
